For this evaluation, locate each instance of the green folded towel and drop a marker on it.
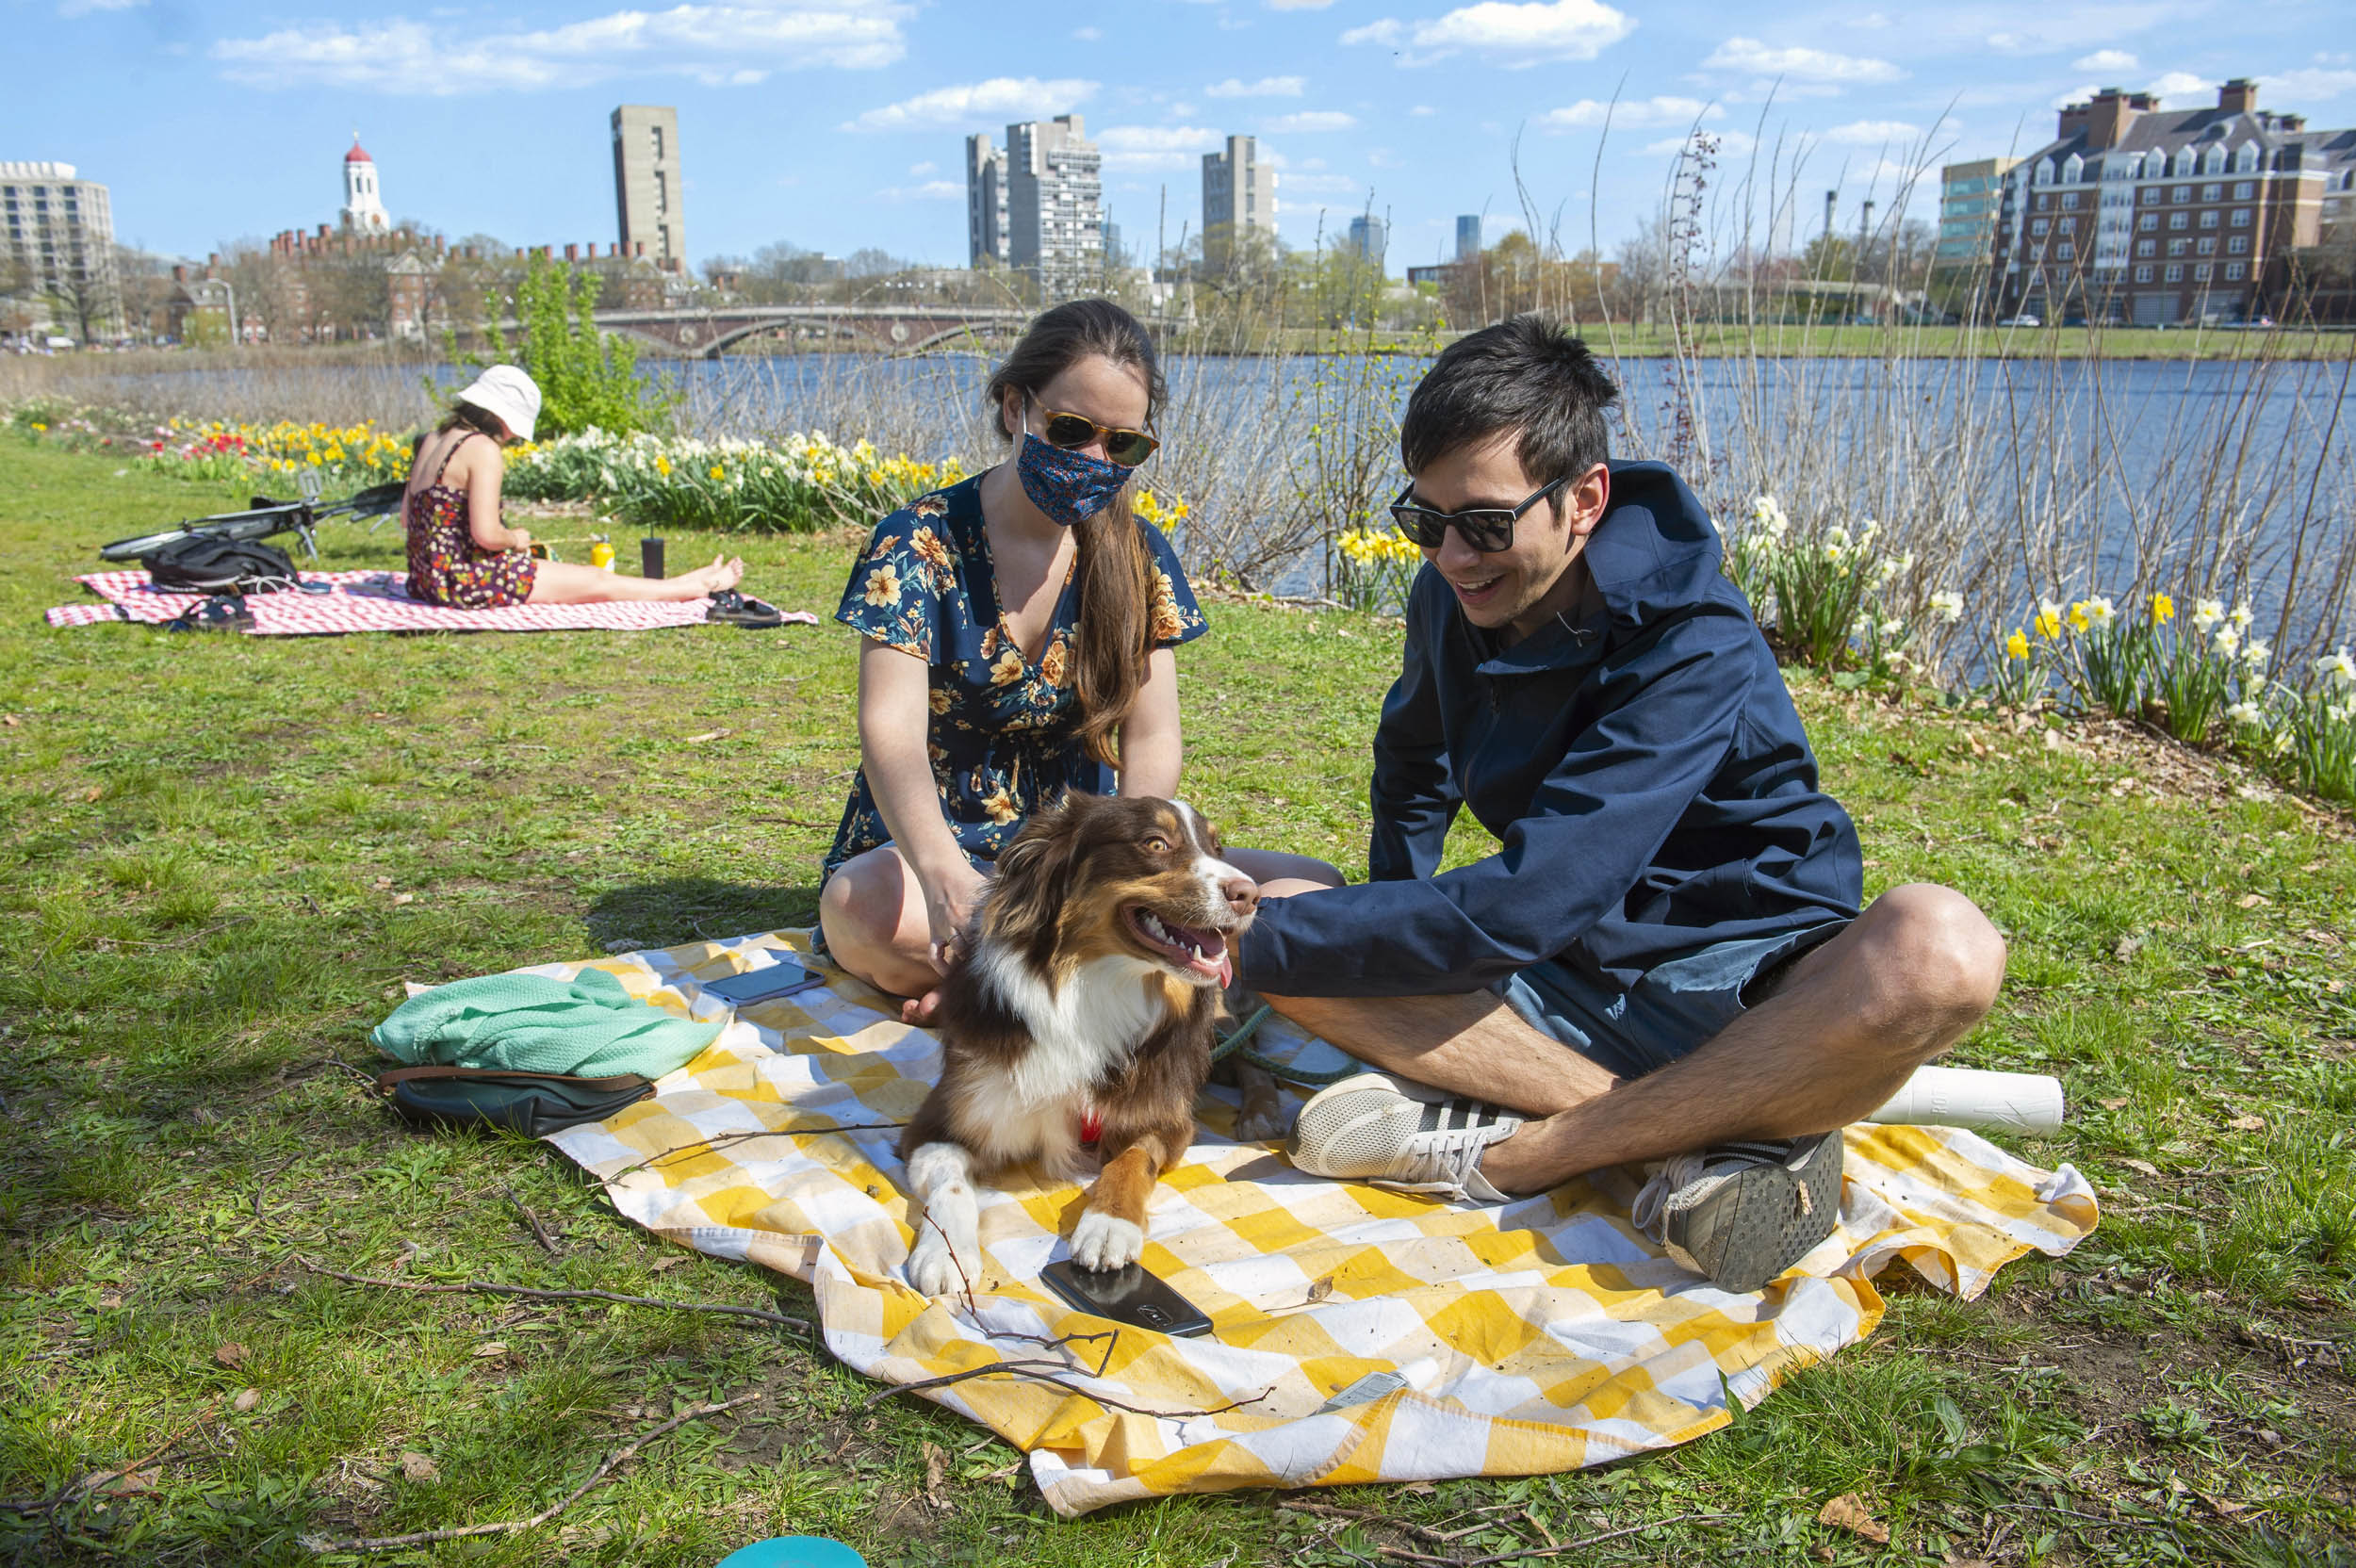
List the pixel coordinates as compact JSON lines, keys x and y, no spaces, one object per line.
{"x":587,"y":1027}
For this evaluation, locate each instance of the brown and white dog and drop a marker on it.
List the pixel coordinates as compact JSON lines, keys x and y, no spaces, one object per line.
{"x":1081,"y":1011}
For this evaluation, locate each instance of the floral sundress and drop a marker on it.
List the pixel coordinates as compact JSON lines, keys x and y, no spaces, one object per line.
{"x":1002,"y":735}
{"x":445,"y":566}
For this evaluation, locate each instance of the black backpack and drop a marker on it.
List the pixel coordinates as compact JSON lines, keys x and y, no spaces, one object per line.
{"x":199,"y":564}
{"x":535,"y":1103}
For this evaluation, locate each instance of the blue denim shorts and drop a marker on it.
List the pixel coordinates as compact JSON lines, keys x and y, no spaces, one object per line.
{"x":1673,"y":1009}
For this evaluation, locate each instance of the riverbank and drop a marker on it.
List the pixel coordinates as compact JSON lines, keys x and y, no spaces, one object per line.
{"x":231,"y":852}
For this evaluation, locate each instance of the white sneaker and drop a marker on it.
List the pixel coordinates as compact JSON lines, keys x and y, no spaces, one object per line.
{"x":1403,"y":1135}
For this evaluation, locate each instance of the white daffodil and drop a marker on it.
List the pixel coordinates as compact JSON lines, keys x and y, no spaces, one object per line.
{"x":2207,"y":613}
{"x":2101,"y":613}
{"x":2254,"y":653}
{"x":1891,"y":628}
{"x":1837,"y":537}
{"x":2242,"y":614}
{"x":2225,"y":640}
{"x":1948,"y":605}
{"x":2338,"y":667}
{"x":2248,"y":713}
{"x":1861,"y":627}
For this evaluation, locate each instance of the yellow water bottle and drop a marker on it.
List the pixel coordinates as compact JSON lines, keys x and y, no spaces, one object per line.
{"x":601,"y":556}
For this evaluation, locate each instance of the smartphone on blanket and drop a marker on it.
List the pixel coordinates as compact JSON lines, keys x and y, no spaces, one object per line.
{"x":761,"y":985}
{"x":1128,"y":1296}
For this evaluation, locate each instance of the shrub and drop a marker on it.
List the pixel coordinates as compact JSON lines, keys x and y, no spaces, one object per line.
{"x":588,"y":380}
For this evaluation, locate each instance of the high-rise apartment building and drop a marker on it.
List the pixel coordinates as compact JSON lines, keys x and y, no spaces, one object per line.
{"x":60,"y":249}
{"x":1467,"y":235}
{"x":1238,"y":192}
{"x":1369,"y":239}
{"x":648,"y":203}
{"x":1971,"y":195}
{"x":2141,"y":215}
{"x":985,"y":203}
{"x":1054,"y":193}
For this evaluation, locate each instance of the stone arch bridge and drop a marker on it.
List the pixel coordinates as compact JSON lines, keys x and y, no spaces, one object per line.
{"x":882,"y":328}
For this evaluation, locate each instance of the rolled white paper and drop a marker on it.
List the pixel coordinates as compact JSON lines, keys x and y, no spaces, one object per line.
{"x":1968,"y":1097}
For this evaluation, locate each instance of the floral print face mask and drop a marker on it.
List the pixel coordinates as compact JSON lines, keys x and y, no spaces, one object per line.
{"x":1069,"y":486}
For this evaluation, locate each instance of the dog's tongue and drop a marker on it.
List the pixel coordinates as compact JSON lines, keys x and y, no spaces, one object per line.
{"x":1226,"y":969}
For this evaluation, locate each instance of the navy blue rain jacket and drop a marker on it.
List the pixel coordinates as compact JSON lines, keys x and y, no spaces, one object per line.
{"x":1642,"y":768}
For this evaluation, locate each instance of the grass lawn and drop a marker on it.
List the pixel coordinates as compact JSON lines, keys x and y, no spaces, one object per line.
{"x":228,"y":853}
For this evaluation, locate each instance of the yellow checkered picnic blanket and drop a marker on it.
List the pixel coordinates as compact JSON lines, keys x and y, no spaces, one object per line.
{"x":1358,"y":1334}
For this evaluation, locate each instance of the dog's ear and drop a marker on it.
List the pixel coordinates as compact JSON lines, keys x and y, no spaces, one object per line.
{"x":1035,"y":875}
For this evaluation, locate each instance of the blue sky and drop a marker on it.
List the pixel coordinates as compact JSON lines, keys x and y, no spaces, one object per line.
{"x":837,"y":123}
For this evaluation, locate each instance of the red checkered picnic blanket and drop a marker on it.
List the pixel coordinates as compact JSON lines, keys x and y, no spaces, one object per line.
{"x":373,"y":601}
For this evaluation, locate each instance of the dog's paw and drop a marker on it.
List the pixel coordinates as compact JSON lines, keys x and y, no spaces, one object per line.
{"x":934,"y":1267}
{"x":1263,"y":1121}
{"x":1104,"y":1241}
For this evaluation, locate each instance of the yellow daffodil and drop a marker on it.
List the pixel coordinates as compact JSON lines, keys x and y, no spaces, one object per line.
{"x":2163,"y":610}
{"x":2017,"y":646}
{"x":2047,"y":624}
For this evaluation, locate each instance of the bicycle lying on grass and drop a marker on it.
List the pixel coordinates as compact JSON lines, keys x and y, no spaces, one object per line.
{"x":264,"y":517}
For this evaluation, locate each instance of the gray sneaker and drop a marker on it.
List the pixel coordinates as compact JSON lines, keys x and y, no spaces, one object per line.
{"x":1743,"y":1213}
{"x":1400,"y":1134}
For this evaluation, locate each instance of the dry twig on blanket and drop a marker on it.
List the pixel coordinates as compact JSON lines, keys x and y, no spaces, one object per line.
{"x":1403,"y":1555}
{"x":717,"y":1140}
{"x":492,"y":1287}
{"x":511,"y":1527}
{"x":1044,"y":1371}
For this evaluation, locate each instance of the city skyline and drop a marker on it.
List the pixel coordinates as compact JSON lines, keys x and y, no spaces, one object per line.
{"x":837,"y":125}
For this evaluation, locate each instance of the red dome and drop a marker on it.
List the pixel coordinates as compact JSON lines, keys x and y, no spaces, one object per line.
{"x":358,"y":154}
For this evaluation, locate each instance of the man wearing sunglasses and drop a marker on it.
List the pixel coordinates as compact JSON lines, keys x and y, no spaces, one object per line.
{"x":1674,"y":898}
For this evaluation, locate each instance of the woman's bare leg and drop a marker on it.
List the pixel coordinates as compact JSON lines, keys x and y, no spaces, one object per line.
{"x":561,"y":583}
{"x":873,"y":914}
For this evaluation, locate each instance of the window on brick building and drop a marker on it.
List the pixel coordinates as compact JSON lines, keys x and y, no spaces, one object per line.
{"x":2175,"y":275}
{"x":2208,"y":219}
{"x":2212,"y":193}
{"x":2041,"y":200}
{"x":2233,"y":272}
{"x":2068,"y":249}
{"x":2243,"y":192}
{"x":2208,"y":247}
{"x":2180,"y":219}
{"x":2201,"y":273}
{"x":2183,"y":193}
{"x":2238,"y":244}
{"x":2038,"y":226}
{"x":2146,"y":247}
{"x":2143,"y":274}
{"x":2149,"y":221}
{"x":2176,"y":247}
{"x":2241,"y":217}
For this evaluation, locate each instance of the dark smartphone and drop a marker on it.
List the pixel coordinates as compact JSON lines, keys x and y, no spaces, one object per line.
{"x":762,"y":985}
{"x":1126,"y":1296}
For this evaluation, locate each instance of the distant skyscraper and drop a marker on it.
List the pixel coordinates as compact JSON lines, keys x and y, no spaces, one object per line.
{"x":1238,"y":192}
{"x":985,"y":202}
{"x":364,"y":205}
{"x":1467,"y":235}
{"x":1114,"y":254}
{"x":648,"y":203}
{"x":1368,"y":238}
{"x":1054,"y":189}
{"x":61,"y":230}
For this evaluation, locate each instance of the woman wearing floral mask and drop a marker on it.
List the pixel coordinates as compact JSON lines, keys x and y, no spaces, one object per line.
{"x":1017,"y":633}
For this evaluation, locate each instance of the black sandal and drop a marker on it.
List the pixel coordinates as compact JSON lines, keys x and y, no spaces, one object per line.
{"x":730,"y":608}
{"x":221,"y":613}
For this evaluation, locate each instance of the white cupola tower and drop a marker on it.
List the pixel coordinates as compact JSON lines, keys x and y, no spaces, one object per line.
{"x":364,"y":209}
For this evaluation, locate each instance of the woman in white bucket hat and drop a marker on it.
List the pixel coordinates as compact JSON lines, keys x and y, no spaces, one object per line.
{"x":460,"y":551}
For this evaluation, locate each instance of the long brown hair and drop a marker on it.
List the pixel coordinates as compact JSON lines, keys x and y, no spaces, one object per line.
{"x":1116,"y":572}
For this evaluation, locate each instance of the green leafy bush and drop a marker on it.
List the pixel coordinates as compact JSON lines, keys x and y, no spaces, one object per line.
{"x":588,"y":380}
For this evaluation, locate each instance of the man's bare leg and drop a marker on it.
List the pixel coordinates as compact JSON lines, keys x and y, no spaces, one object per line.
{"x":1855,"y":1017}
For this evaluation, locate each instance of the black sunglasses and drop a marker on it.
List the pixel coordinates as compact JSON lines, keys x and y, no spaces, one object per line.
{"x":1127,"y":448}
{"x":1486,"y":529}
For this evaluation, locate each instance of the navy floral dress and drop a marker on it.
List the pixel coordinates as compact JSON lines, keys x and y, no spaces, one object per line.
{"x":1003,"y":731}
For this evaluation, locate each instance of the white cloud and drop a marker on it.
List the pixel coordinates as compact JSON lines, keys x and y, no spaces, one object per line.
{"x":1168,"y":147}
{"x":931,"y":190}
{"x":2182,"y":84}
{"x":715,"y":45}
{"x":927,"y":167}
{"x":2294,"y":89}
{"x":2105,"y":59}
{"x":83,"y":8}
{"x":1632,"y":112}
{"x":1267,"y":86}
{"x":976,"y":104}
{"x":1423,"y":111}
{"x":1873,"y":133}
{"x":1088,"y":35}
{"x":1307,"y":121}
{"x":1503,"y":33}
{"x":1809,"y":65}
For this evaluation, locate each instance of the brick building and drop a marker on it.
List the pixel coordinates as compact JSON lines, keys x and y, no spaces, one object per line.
{"x":2137,"y":215}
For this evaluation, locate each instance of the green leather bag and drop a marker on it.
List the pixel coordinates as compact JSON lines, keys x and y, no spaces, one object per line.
{"x":534,"y":1103}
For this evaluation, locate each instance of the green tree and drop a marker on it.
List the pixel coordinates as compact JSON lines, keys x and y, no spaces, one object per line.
{"x":585,"y":376}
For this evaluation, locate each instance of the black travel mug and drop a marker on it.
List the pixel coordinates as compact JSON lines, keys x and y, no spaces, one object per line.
{"x":650,"y":557}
